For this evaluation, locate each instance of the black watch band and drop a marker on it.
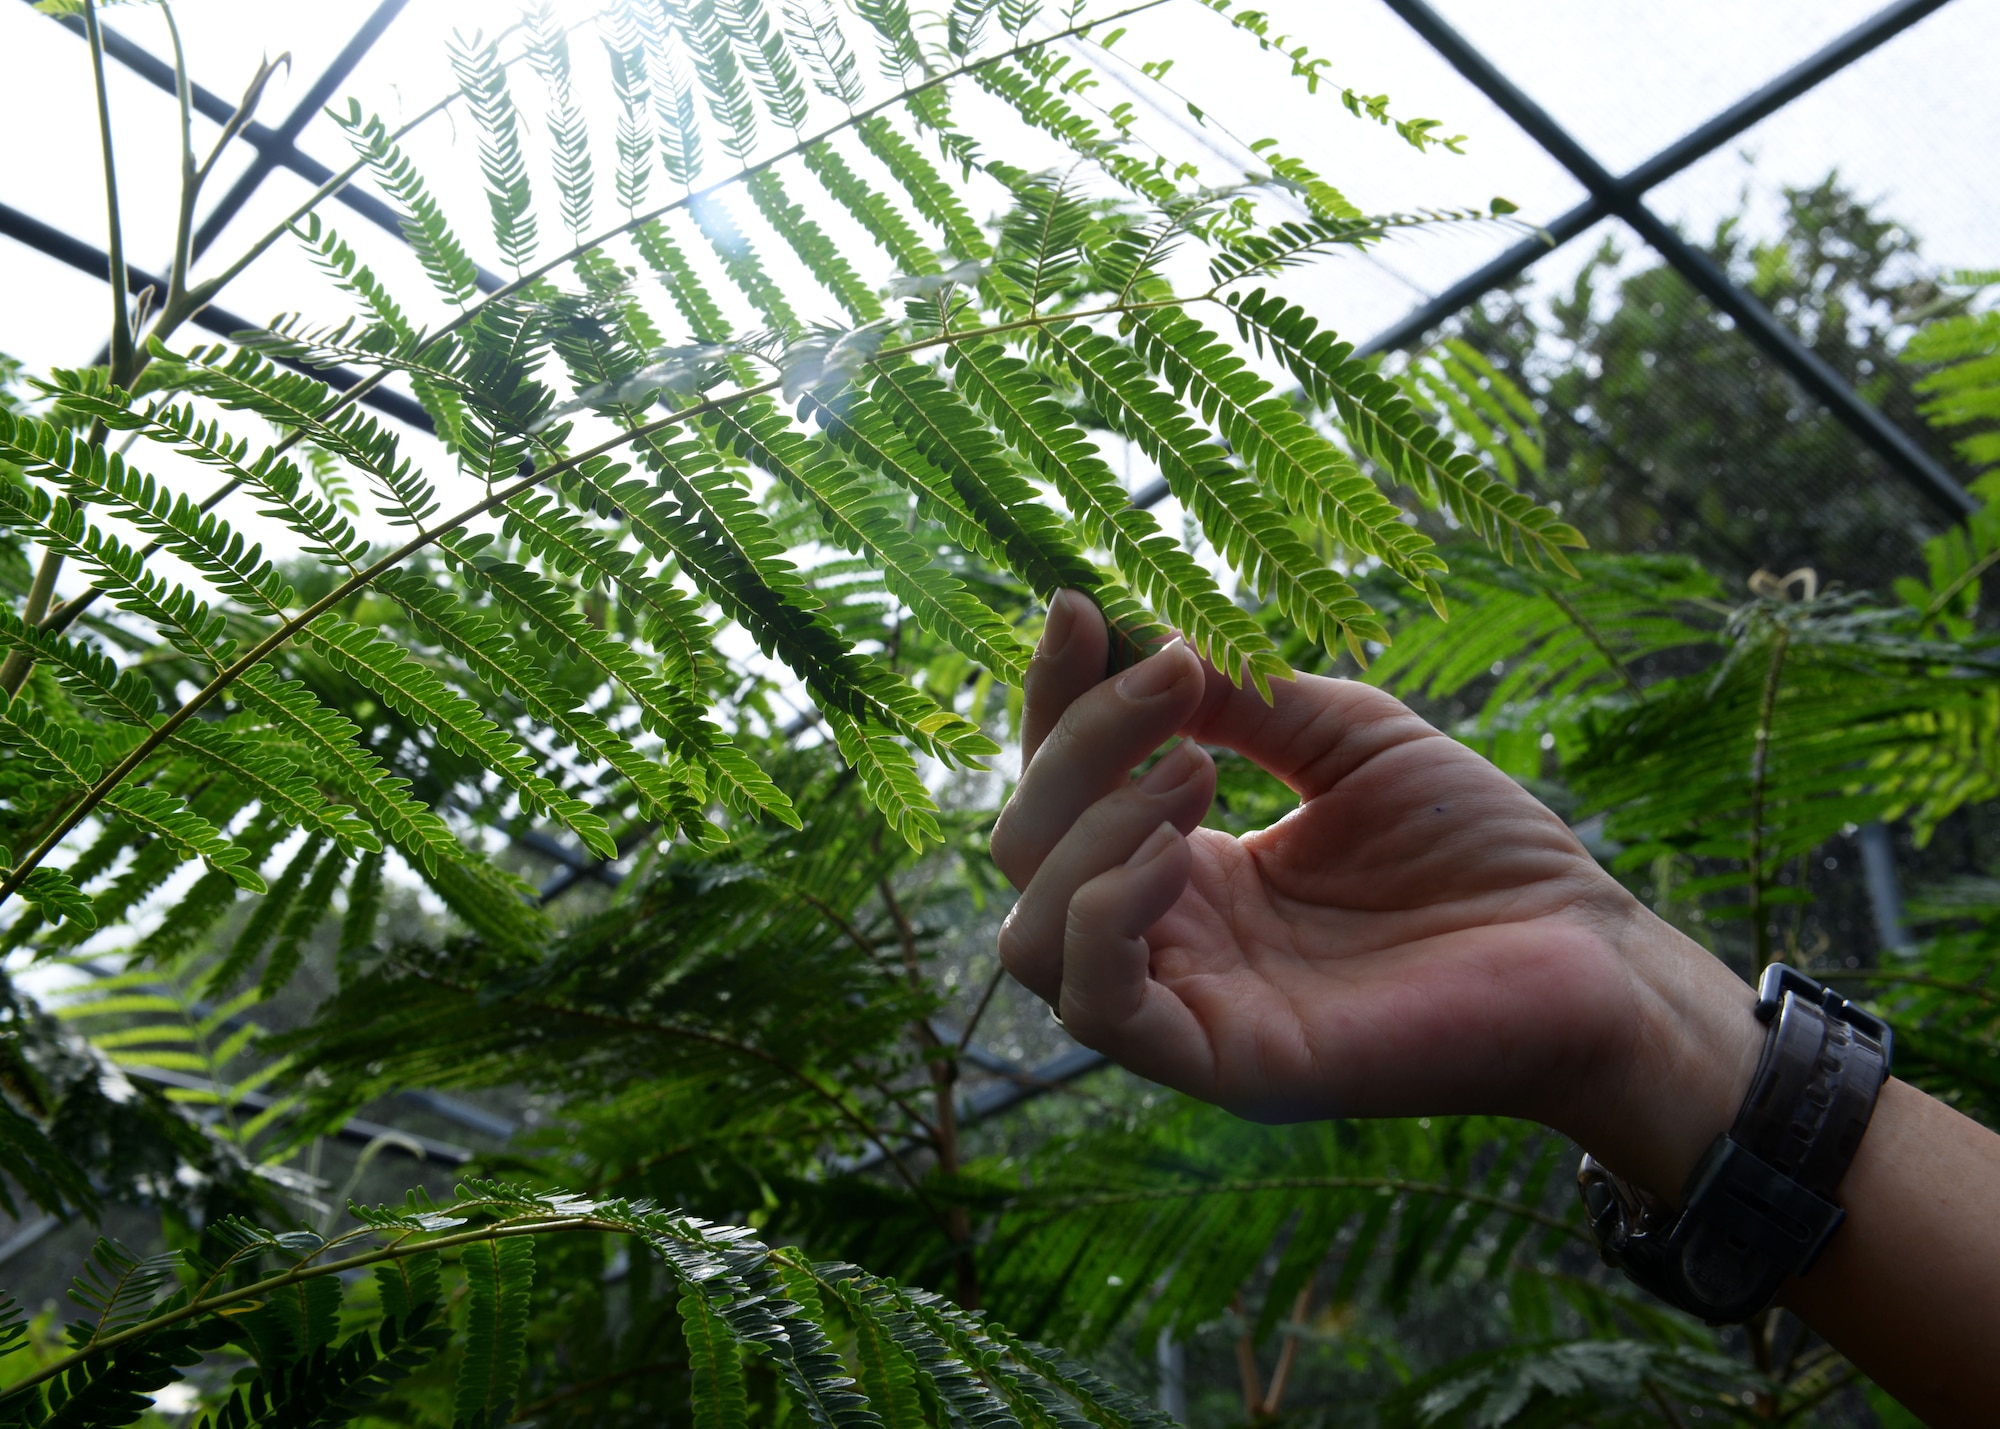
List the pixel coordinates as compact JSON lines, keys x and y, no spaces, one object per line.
{"x":1759,"y":1207}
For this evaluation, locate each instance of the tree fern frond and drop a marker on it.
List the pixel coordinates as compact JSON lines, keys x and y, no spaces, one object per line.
{"x":669,"y":621}
{"x":714,"y":1364}
{"x":551,"y":615}
{"x":901,"y":57}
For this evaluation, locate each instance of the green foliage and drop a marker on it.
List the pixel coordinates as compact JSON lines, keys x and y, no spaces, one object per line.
{"x":727,"y":592}
{"x":1965,"y":388}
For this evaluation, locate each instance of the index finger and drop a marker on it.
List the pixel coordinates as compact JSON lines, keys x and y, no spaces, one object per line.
{"x":1069,"y":661}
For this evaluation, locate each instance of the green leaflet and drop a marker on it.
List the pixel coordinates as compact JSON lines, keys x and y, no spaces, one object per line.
{"x":864,"y":522}
{"x":482,"y":79}
{"x":424,"y":227}
{"x":405,"y":685}
{"x":889,"y":775}
{"x":672,"y":623}
{"x":740,"y":261}
{"x":334,"y":744}
{"x":1238,"y":520}
{"x":1315,"y":478}
{"x":888,"y":1377}
{"x":1007,"y":394}
{"x":716,"y":1390}
{"x":60,"y":753}
{"x":249,"y":382}
{"x":1007,"y":527}
{"x":493,"y":658}
{"x":328,"y":533}
{"x":552,"y":616}
{"x":498,"y":1276}
{"x":928,"y":191}
{"x":1384,"y":425}
{"x":569,"y":142}
{"x":708,"y":522}
{"x":814,"y":248}
{"x":871,"y":209}
{"x":266,"y":773}
{"x":664,"y":256}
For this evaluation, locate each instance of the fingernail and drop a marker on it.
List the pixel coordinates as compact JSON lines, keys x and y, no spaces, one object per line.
{"x":1175,"y":768}
{"x":1058,"y":628}
{"x":1156,"y":844}
{"x":1154,"y":676}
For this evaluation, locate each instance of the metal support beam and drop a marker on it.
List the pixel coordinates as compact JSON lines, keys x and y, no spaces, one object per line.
{"x":64,"y":247}
{"x":213,"y":107}
{"x":1694,"y":145}
{"x":1805,"y":366}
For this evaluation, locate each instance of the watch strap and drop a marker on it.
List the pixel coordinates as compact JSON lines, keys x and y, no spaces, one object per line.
{"x":1758,"y":1207}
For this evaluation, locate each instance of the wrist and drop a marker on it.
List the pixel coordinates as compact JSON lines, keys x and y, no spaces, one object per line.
{"x":1673,"y":1063}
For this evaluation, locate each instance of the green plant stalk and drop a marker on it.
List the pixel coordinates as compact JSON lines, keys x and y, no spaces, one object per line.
{"x":14,"y":669}
{"x":1759,"y":775}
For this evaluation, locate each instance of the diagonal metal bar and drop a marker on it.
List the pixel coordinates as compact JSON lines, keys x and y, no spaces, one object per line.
{"x":1805,"y":366}
{"x":282,"y":143}
{"x":1696,"y":144}
{"x":261,"y":137}
{"x":48,"y":239}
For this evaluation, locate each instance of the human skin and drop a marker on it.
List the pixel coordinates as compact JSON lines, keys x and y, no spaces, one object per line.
{"x":1422,"y":937}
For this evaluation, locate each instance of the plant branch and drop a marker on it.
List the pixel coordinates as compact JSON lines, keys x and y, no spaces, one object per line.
{"x":1395,"y":1184}
{"x":502,"y":1230}
{"x":121,"y":320}
{"x":1760,"y":762}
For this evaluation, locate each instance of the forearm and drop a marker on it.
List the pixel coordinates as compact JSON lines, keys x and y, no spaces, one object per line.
{"x":1909,"y":1286}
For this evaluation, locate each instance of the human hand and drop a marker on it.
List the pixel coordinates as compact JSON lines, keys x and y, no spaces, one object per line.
{"x":1419,"y":936}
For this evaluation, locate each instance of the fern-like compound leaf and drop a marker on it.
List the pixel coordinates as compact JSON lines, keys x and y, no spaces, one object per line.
{"x":499,"y":1274}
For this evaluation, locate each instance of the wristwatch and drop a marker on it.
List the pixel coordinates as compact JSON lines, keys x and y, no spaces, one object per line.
{"x":1759,"y":1206}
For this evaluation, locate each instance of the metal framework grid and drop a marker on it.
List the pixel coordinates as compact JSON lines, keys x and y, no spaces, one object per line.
{"x":1619,"y":196}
